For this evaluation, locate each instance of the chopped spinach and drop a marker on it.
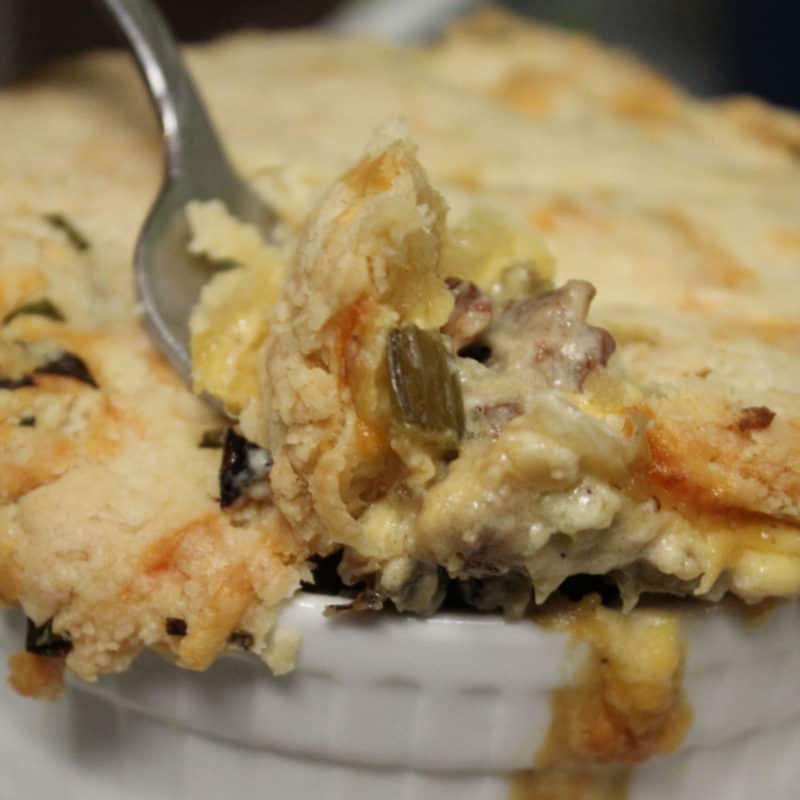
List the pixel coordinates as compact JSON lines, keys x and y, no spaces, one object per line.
{"x":175,"y":626}
{"x":17,"y":383}
{"x":64,"y":224}
{"x":213,"y":438}
{"x":70,"y":366}
{"x":41,"y":640}
{"x":243,"y":463}
{"x":226,"y":264}
{"x":67,"y":365}
{"x":41,"y":308}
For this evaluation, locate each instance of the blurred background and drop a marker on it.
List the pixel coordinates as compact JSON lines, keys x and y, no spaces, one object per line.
{"x":709,"y":46}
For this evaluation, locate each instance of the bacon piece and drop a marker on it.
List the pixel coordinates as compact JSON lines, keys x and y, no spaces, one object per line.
{"x":755,"y":418}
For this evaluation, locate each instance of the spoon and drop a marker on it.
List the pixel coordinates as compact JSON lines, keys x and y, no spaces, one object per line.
{"x":168,"y":278}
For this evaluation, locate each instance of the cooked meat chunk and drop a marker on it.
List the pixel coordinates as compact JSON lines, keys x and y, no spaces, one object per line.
{"x":550,"y":331}
{"x":471,"y":315}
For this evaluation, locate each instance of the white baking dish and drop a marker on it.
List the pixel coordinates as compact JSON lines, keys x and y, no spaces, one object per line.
{"x":400,"y":707}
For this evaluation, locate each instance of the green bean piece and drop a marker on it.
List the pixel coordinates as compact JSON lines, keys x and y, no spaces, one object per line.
{"x":425,"y":391}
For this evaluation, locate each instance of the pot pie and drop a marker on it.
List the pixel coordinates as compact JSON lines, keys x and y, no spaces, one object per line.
{"x":544,"y":327}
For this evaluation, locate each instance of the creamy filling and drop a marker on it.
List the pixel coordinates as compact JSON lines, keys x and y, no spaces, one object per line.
{"x":532,"y":474}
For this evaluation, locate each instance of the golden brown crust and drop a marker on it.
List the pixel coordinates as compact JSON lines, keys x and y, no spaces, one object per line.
{"x":774,"y":127}
{"x":546,"y":71}
{"x":110,"y":522}
{"x":681,"y":213}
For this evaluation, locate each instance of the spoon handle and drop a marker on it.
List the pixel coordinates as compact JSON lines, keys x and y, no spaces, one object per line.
{"x":190,"y":138}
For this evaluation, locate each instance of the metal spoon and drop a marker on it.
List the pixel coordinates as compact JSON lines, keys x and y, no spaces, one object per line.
{"x":168,"y":278}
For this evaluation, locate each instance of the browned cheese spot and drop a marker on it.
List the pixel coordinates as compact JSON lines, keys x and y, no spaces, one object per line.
{"x":374,"y":175}
{"x":531,"y":90}
{"x":650,"y":98}
{"x":719,"y":265}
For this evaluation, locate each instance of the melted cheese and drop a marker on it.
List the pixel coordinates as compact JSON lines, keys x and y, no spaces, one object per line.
{"x":682,"y":213}
{"x":625,"y":705}
{"x":229,"y":325}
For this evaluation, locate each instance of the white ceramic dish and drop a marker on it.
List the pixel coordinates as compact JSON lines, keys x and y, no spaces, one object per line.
{"x":397,"y":707}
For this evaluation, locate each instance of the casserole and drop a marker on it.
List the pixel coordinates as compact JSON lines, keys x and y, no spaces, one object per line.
{"x":652,"y":448}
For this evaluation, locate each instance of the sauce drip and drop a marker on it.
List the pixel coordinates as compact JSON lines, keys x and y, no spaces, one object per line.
{"x":625,"y":705}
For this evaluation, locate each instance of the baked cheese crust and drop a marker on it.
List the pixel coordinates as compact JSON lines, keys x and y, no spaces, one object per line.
{"x":567,"y":156}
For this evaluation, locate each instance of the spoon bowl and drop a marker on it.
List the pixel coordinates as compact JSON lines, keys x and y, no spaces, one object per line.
{"x":169,"y":278}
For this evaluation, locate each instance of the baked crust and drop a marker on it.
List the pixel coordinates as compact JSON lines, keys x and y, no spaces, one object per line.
{"x":681,"y":213}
